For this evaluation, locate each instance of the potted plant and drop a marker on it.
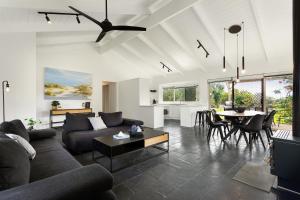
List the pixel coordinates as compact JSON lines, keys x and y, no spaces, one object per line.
{"x":31,"y":123}
{"x":55,"y":105}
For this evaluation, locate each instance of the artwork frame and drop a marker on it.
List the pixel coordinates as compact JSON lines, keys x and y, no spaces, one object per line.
{"x":60,"y":84}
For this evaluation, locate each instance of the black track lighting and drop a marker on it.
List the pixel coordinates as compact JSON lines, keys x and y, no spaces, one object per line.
{"x":77,"y":18}
{"x":48,"y":19}
{"x":200,"y":45}
{"x":165,"y":66}
{"x":59,"y":13}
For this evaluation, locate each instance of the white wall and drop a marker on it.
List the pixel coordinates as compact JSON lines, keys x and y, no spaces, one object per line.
{"x":129,"y":98}
{"x":18,"y":66}
{"x":144,"y":91}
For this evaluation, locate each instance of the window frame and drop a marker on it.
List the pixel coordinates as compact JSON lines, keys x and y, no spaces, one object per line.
{"x":175,"y":88}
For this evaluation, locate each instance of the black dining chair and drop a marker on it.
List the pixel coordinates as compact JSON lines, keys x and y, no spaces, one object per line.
{"x":213,"y":126}
{"x":200,"y":118}
{"x":267,"y":125}
{"x":217,"y":118}
{"x":253,"y":127}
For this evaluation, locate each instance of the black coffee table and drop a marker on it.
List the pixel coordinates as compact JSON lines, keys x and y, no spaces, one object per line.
{"x":111,"y":148}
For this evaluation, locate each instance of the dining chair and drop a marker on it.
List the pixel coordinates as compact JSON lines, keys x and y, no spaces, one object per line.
{"x":217,"y":118}
{"x":267,"y":125}
{"x":253,"y":127}
{"x":213,"y":126}
{"x":200,"y":118}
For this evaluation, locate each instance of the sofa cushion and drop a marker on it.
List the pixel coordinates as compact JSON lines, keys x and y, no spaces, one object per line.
{"x":14,"y":164}
{"x":78,"y":122}
{"x":21,"y":141}
{"x":112,"y":119}
{"x":97,"y":123}
{"x":82,"y":141}
{"x":51,"y":159}
{"x":15,"y":127}
{"x":41,"y":134}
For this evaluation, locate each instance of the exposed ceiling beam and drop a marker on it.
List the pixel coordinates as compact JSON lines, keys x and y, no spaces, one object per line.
{"x":140,"y":57}
{"x":127,"y":62}
{"x":161,"y":54}
{"x":259,"y":28}
{"x":177,"y":39}
{"x":140,"y":63}
{"x":200,"y":13}
{"x":163,"y":14}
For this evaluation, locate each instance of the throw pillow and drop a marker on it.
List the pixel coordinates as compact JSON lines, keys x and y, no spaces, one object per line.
{"x":112,"y":119}
{"x":14,"y":164}
{"x":97,"y":123}
{"x":15,"y":127}
{"x":78,"y":122}
{"x":29,"y":149}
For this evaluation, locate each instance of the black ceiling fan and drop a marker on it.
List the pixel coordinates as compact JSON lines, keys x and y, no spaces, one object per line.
{"x":106,"y":25}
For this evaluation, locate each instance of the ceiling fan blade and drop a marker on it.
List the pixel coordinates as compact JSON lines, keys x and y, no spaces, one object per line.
{"x":127,"y":28}
{"x":101,"y":36}
{"x":87,"y":16}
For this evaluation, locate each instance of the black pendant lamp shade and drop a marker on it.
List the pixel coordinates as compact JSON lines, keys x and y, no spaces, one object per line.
{"x":235,"y":29}
{"x":224,"y":64}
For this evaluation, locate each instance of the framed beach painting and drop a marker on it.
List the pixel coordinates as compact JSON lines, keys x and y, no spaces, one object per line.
{"x":67,"y":85}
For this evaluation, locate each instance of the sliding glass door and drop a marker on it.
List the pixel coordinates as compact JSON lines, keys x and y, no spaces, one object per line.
{"x":279,"y":97}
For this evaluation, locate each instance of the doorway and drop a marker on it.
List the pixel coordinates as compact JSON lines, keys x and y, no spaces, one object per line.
{"x":109,"y":96}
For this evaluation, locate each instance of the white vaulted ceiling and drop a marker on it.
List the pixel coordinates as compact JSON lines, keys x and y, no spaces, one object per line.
{"x":173,"y":27}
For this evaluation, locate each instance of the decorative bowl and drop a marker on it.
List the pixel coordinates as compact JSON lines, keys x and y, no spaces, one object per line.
{"x":135,"y":134}
{"x":240,"y":109}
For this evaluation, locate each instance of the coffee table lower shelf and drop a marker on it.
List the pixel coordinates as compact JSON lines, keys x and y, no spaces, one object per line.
{"x":114,"y":148}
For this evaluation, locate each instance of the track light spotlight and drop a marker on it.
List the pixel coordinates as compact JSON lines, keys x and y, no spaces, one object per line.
{"x":48,"y":19}
{"x":77,"y":18}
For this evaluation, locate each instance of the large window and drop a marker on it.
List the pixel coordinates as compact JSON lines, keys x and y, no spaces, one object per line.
{"x":220,"y":95}
{"x":249,"y":94}
{"x":277,"y":94}
{"x":178,"y":94}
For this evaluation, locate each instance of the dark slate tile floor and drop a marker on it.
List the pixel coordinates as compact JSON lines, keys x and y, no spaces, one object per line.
{"x":194,"y":169}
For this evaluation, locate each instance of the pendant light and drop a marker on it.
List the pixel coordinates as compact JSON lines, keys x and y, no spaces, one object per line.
{"x":235,"y":29}
{"x":237,"y":59}
{"x":224,"y":58}
{"x":243,"y":58}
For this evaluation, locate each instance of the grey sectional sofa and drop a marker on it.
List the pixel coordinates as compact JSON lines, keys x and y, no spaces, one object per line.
{"x":78,"y":133}
{"x":52,"y":175}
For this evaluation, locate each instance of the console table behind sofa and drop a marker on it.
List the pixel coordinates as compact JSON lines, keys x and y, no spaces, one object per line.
{"x":60,"y":112}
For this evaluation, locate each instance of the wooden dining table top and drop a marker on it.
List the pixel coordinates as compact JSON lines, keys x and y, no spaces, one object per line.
{"x":247,"y":113}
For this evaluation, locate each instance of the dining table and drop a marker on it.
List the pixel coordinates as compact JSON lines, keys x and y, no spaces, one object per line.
{"x":238,"y":119}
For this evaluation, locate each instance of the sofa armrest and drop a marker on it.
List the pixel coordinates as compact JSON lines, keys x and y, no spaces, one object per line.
{"x":41,"y":134}
{"x":130,"y":122}
{"x":89,"y":182}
